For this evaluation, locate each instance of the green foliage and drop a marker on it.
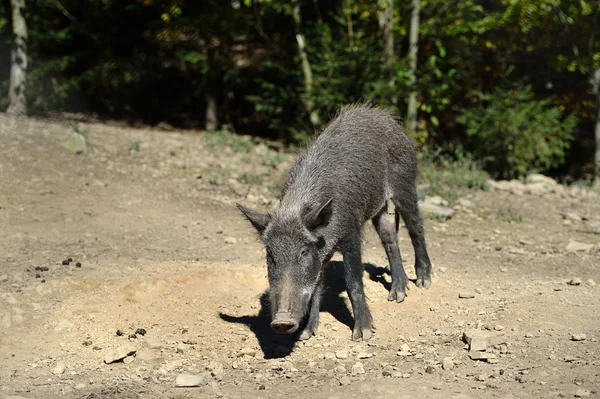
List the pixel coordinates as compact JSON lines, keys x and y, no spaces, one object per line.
{"x":450,"y":173}
{"x":225,"y":138}
{"x":512,"y":133}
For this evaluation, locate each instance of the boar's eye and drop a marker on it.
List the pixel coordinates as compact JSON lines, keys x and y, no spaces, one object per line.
{"x":304,"y":252}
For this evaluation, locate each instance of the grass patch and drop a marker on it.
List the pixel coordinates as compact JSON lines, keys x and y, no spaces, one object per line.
{"x":226,"y":138}
{"x":450,"y":174}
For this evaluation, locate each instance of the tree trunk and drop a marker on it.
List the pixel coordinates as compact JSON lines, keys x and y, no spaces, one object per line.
{"x":18,"y":71}
{"x":596,"y":87}
{"x":306,"y":69}
{"x":412,"y":55}
{"x":211,"y":119}
{"x":386,"y":23}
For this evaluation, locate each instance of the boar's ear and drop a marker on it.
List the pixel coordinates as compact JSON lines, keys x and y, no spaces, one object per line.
{"x":258,"y":220}
{"x":319,"y":216}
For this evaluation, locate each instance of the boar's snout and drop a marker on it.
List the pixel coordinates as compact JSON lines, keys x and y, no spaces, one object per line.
{"x":284,"y":324}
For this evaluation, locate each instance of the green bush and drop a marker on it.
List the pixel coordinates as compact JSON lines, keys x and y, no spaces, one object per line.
{"x":450,"y":173}
{"x":512,"y":133}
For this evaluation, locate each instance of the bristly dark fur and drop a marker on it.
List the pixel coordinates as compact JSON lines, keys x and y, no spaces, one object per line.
{"x":344,"y":178}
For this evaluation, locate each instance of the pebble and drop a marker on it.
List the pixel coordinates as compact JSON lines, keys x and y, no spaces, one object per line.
{"x":575,"y":281}
{"x":341,"y":354}
{"x":230,"y":240}
{"x":340,"y":370}
{"x":364,"y":355}
{"x":591,"y":283}
{"x":80,"y":386}
{"x":466,"y":295}
{"x":153,"y":343}
{"x":578,"y":337}
{"x":247,"y":352}
{"x":181,"y":348}
{"x":582,"y":393}
{"x":447,"y":363}
{"x":404,"y":348}
{"x":575,"y":246}
{"x":190,"y":381}
{"x":443,"y":269}
{"x":484,"y":356}
{"x":118,"y":354}
{"x":358,"y":368}
{"x":345,"y":381}
{"x":59,"y":369}
{"x":481,"y":377}
{"x":430,"y":369}
{"x":3,"y":278}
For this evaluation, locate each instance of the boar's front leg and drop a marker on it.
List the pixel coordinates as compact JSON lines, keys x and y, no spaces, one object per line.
{"x":353,"y":270}
{"x":313,"y":316}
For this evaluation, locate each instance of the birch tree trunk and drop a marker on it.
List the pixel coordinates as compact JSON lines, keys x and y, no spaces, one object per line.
{"x":412,"y":55}
{"x":306,"y":69}
{"x":17,"y":102}
{"x":386,"y":23}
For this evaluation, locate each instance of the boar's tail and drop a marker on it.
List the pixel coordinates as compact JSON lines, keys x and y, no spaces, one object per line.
{"x":396,"y":220}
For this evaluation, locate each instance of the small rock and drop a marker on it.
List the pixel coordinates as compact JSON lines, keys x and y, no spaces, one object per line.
{"x":466,"y":295}
{"x":340,"y":370}
{"x":329,"y":356}
{"x":443,"y":269}
{"x":341,"y":354}
{"x":525,"y":242}
{"x":190,"y":381}
{"x":358,"y":368}
{"x":345,"y":381}
{"x":247,"y":352}
{"x":537,"y":178}
{"x":435,"y":211}
{"x":118,"y":354}
{"x":575,"y":246}
{"x":591,"y":283}
{"x":364,"y":355}
{"x":574,"y":281}
{"x":465,"y":202}
{"x":59,"y":369}
{"x":582,"y":393}
{"x":216,"y":370}
{"x":499,"y":327}
{"x":181,"y":348}
{"x":481,"y":378}
{"x":230,"y":240}
{"x":3,"y":278}
{"x":153,"y":343}
{"x":140,"y":331}
{"x":578,"y":337}
{"x":76,"y":143}
{"x":80,"y":386}
{"x":571,"y":216}
{"x":404,"y":348}
{"x":63,"y":325}
{"x":485,"y":356}
{"x":430,"y":369}
{"x":447,"y":363}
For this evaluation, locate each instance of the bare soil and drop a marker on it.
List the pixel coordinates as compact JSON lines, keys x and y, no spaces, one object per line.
{"x":150,"y":217}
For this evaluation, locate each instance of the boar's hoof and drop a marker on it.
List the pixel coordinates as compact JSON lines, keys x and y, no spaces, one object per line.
{"x":423,"y":282}
{"x":396,"y":294}
{"x":306,"y":334}
{"x":284,"y":326}
{"x":364,"y":333}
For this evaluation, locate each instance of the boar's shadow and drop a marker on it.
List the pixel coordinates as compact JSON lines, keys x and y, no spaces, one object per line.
{"x":276,"y":345}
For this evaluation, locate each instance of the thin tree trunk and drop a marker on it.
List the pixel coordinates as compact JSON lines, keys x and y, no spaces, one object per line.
{"x":596,"y":87}
{"x":412,"y":55}
{"x":18,"y":71}
{"x":386,"y":23}
{"x":306,"y":69}
{"x":211,"y":119}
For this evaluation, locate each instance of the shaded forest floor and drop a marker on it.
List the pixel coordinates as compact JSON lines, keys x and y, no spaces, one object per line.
{"x":150,"y":218}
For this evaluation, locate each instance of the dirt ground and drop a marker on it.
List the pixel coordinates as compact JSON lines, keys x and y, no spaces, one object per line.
{"x":149,"y":216}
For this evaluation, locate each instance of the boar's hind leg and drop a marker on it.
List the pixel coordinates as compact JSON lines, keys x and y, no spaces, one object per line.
{"x":353,"y":270}
{"x":313,"y":316}
{"x":405,"y":200}
{"x":389,"y":239}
